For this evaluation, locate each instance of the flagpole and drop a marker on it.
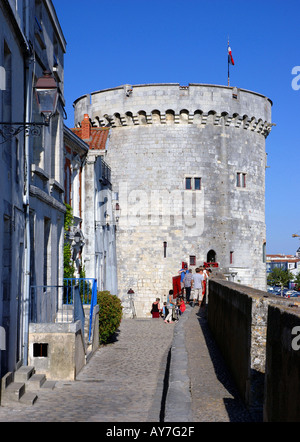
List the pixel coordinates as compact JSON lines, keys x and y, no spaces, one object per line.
{"x":228,"y":72}
{"x":228,"y":63}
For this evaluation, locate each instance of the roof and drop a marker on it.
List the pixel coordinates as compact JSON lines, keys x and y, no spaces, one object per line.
{"x":98,"y":139}
{"x":76,"y":141}
{"x":282,"y":258}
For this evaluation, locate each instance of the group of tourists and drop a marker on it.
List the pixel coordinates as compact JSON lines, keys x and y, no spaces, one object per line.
{"x":193,"y":289}
{"x":194,"y":284}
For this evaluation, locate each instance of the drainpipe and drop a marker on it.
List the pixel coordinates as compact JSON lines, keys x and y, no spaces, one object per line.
{"x":28,"y":96}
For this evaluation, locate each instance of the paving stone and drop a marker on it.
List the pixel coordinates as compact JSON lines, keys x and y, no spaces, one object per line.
{"x":124,"y":381}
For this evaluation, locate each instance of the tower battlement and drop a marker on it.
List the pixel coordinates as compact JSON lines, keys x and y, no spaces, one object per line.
{"x":174,"y":104}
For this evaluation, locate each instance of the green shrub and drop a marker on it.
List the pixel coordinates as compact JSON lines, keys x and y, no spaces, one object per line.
{"x":110,"y":315}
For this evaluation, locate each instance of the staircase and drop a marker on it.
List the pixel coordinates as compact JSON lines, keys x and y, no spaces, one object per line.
{"x":22,"y":386}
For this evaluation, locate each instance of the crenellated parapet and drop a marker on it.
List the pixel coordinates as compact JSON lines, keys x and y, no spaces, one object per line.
{"x":184,"y":116}
{"x":172,"y":104}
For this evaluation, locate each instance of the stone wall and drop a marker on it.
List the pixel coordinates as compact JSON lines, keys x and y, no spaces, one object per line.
{"x":64,"y":351}
{"x":162,"y":134}
{"x":282,"y":380}
{"x":245,"y":322}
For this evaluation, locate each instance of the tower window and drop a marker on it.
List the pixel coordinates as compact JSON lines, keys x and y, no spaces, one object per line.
{"x":197,"y":182}
{"x":193,"y":183}
{"x":188,"y":183}
{"x":240,"y":179}
{"x":192,"y":260}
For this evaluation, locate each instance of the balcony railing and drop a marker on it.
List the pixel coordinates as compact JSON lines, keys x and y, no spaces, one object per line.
{"x":53,"y":304}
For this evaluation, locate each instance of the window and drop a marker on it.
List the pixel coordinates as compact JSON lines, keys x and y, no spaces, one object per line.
{"x":165,"y":249}
{"x":197,"y":182}
{"x":47,"y":250}
{"x":193,"y":183}
{"x":240,"y":179}
{"x":188,"y":183}
{"x":231,"y":257}
{"x":40,"y":350}
{"x":192,"y":260}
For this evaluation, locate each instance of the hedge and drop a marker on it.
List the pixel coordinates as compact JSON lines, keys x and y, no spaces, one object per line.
{"x":110,"y":315}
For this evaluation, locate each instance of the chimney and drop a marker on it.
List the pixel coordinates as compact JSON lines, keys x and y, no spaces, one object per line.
{"x":86,"y":128}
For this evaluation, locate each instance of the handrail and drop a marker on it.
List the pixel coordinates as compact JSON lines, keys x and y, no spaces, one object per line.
{"x":45,"y":301}
{"x":88,"y":293}
{"x":93,"y":304}
{"x":78,"y":309}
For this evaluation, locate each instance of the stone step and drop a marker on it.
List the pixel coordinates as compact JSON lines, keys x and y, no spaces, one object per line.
{"x":49,"y":384}
{"x":13,"y":389}
{"x":35,"y":382}
{"x":13,"y":392}
{"x":6,"y":380}
{"x":23,"y":374}
{"x":28,"y":398}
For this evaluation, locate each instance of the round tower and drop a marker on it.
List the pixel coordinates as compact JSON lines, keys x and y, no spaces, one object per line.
{"x":188,"y":164}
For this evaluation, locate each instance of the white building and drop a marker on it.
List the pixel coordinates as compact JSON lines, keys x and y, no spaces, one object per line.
{"x":99,"y":214}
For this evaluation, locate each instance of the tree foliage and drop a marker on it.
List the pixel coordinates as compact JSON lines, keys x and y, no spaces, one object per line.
{"x":297,"y":280}
{"x":69,"y":269}
{"x":280,"y":277}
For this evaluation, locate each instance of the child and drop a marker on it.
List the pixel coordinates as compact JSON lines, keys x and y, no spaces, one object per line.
{"x":165,"y":310}
{"x":182,"y":306}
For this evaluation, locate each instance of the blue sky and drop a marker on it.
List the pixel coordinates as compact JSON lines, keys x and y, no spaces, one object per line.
{"x":115,"y":42}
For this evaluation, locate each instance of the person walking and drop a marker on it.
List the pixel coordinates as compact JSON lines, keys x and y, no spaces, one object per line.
{"x":187,"y":281}
{"x":165,"y":310}
{"x":198,"y":286}
{"x":182,"y":273}
{"x":171,"y":306}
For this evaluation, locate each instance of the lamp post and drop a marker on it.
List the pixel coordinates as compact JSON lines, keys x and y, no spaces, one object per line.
{"x":132,"y":306}
{"x":46,"y":94}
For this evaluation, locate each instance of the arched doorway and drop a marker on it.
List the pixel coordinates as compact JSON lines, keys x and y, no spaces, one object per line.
{"x":211,"y":256}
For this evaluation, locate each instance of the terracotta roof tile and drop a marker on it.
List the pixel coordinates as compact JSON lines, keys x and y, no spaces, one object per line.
{"x":99,"y":136}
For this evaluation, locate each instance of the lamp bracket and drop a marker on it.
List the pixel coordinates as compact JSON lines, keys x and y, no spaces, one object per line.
{"x":10,"y":130}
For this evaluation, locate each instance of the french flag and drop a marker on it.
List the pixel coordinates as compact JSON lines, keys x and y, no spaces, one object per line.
{"x":230,"y":59}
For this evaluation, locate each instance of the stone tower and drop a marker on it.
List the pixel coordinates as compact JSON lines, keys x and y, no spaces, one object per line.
{"x":188,"y":163}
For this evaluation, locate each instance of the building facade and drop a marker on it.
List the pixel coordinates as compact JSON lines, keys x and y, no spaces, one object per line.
{"x":75,"y":153}
{"x":99,"y":217}
{"x":188,"y":164}
{"x":31,"y":168}
{"x":284,"y":262}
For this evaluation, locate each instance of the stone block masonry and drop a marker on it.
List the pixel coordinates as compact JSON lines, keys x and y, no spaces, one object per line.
{"x":253,"y":331}
{"x":188,"y":164}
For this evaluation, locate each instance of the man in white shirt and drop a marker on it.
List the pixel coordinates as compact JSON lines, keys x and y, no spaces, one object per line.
{"x":198,"y":279}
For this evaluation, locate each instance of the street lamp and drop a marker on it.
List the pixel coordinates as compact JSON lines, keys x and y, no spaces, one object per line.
{"x":46,"y":93}
{"x":46,"y":96}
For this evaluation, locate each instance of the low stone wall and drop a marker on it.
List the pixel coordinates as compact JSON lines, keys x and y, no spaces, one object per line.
{"x":62,"y":350}
{"x":238,"y":319}
{"x":59,"y":351}
{"x":282,"y":378}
